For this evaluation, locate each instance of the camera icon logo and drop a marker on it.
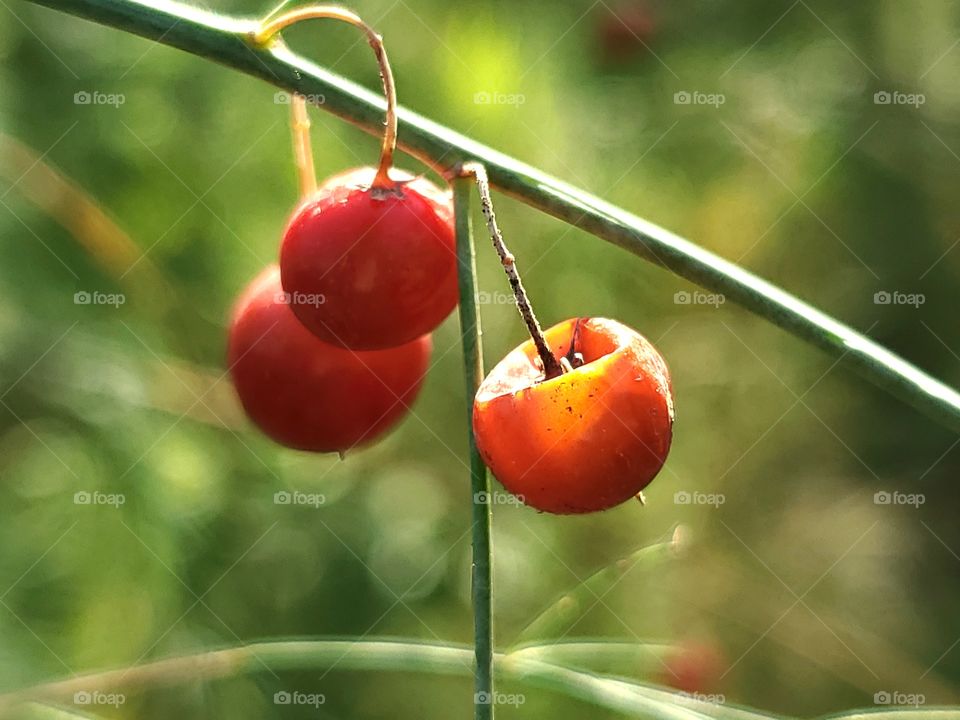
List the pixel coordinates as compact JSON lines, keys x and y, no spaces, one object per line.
{"x":882,"y":97}
{"x":82,"y":498}
{"x":282,"y":498}
{"x":882,"y":298}
{"x":481,"y":498}
{"x":82,"y":697}
{"x":882,"y":497}
{"x":282,"y":698}
{"x":82,"y":98}
{"x":681,"y":498}
{"x":682,"y":98}
{"x":281,"y":97}
{"x":482,"y":698}
{"x":481,"y":98}
{"x":882,"y":698}
{"x":81,"y":298}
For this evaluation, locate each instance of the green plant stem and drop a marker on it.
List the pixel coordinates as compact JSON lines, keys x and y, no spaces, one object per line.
{"x":35,"y":711}
{"x":645,"y":660}
{"x":482,"y":571}
{"x":899,"y":714}
{"x":381,"y":655}
{"x":227,"y":40}
{"x":563,"y":612}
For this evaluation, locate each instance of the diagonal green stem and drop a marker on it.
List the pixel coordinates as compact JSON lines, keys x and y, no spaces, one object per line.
{"x":564,"y":611}
{"x":226,"y":40}
{"x":482,"y":571}
{"x":36,"y":711}
{"x":899,"y":714}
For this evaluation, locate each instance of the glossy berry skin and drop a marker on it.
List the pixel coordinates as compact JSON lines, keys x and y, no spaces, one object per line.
{"x":384,"y":261}
{"x":588,"y":439}
{"x":307,"y":394}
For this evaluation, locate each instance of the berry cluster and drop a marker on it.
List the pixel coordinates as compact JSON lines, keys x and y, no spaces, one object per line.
{"x":328,"y":349}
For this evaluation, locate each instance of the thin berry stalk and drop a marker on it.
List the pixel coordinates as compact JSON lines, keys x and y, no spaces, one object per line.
{"x":551,"y":366}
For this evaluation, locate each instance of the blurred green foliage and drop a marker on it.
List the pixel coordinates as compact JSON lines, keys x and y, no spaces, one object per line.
{"x":814,"y":596}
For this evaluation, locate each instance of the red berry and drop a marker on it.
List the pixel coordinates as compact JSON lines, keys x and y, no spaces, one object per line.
{"x":383,"y":261}
{"x":305,"y":393}
{"x":693,"y":668}
{"x":585,"y":440}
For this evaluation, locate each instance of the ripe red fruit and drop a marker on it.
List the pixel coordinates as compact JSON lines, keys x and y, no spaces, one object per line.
{"x":588,"y":439}
{"x":383,"y":260}
{"x":305,"y":393}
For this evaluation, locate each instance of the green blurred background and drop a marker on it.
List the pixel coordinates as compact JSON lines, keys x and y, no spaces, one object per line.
{"x":810,"y":596}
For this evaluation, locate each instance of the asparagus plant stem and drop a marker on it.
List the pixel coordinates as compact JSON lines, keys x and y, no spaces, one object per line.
{"x":481,"y":575}
{"x":381,"y":655}
{"x":226,"y":40}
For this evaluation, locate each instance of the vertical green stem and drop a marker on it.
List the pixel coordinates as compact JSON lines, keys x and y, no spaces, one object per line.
{"x":482,"y":591}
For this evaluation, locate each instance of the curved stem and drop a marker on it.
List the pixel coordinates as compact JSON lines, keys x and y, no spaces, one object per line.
{"x":551,"y":366}
{"x":385,"y":655}
{"x":271,"y":26}
{"x":645,"y":659}
{"x":226,"y":39}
